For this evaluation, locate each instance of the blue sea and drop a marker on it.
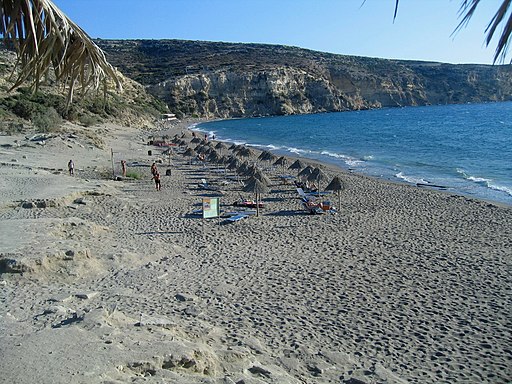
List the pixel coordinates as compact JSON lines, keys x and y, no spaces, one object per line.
{"x":465,"y":148}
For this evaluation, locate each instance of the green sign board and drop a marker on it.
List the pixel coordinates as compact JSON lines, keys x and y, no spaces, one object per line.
{"x":211,"y":207}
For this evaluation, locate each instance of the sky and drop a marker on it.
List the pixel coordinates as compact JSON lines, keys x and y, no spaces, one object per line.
{"x":423,"y":29}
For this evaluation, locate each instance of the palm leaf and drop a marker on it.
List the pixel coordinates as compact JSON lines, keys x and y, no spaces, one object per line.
{"x":45,"y":38}
{"x":467,"y":10}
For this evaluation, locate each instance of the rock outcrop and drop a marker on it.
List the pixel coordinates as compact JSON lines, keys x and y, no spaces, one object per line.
{"x":239,"y":80}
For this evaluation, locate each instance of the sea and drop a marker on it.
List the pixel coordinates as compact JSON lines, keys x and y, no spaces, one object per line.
{"x":465,"y":149}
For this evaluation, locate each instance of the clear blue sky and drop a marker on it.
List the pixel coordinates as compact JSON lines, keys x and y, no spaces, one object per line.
{"x":422,"y":31}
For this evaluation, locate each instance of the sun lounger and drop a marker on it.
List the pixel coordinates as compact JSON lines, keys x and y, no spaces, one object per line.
{"x":248,"y":212}
{"x":235,"y":218}
{"x":318,"y":208}
{"x":204,"y":185}
{"x":248,"y":204}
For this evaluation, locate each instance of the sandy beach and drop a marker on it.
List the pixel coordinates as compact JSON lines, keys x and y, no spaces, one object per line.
{"x":110,"y":281}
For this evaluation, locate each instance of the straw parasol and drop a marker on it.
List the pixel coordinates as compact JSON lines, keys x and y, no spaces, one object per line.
{"x":213,"y":156}
{"x":195,"y":140}
{"x":298,"y":165}
{"x":337,"y":186}
{"x":317,"y":175}
{"x":234,"y":164}
{"x":282,"y":161}
{"x":257,"y":187}
{"x":189,"y":152}
{"x":265,"y":156}
{"x":306,"y":172}
{"x":250,"y":170}
{"x":242,"y":168}
{"x":220,"y":146}
{"x":246,"y":152}
{"x":261,"y":177}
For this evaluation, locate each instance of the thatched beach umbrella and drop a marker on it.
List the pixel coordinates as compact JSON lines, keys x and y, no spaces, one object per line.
{"x":246,"y":152}
{"x":282,"y":161}
{"x":262,"y":177}
{"x":264,"y":156}
{"x":232,"y":147}
{"x":220,"y":146}
{"x":242,"y":168}
{"x":250,"y":170}
{"x":298,"y":165}
{"x":306,"y":172}
{"x":234,"y":164}
{"x":195,"y":140}
{"x":189,"y":152}
{"x":213,"y":156}
{"x":337,"y":186}
{"x":317,"y":176}
{"x":258,"y":188}
{"x":223,"y":160}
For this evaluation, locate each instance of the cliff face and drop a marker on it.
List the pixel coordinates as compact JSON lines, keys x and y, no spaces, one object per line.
{"x":276,"y":91}
{"x":238,"y":80}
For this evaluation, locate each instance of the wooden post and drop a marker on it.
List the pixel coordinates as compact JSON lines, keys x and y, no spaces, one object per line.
{"x":112,"y":159}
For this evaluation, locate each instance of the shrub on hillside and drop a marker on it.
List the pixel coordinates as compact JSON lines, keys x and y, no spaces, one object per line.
{"x":47,"y":121}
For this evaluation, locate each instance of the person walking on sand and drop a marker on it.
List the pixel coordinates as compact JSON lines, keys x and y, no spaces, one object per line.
{"x":71,"y":168}
{"x":158,"y":184}
{"x":123,"y":166}
{"x":154,"y":169}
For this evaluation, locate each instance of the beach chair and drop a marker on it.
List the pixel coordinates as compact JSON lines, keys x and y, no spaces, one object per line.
{"x":234,"y":219}
{"x":312,"y":208}
{"x":305,"y":196}
{"x":205,"y":185}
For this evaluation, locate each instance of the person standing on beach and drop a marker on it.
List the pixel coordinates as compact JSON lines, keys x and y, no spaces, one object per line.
{"x":158,"y":184}
{"x":71,"y":168}
{"x":123,"y":167}
{"x":154,"y":169}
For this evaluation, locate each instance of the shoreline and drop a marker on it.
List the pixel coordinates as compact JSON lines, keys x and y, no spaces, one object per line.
{"x":461,"y":187}
{"x":121,"y":283}
{"x":335,"y":166}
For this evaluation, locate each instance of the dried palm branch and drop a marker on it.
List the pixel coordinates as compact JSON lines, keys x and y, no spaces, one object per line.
{"x":45,"y":38}
{"x":467,"y":10}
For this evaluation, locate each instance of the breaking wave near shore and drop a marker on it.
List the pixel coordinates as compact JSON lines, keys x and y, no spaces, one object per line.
{"x":464,"y":149}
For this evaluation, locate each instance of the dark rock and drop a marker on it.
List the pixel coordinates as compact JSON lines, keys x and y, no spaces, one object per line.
{"x":183,"y":297}
{"x":28,"y":204}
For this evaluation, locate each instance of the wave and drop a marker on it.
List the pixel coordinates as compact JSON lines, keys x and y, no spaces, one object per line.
{"x":411,"y":179}
{"x":350,"y":161}
{"x":489,"y":183}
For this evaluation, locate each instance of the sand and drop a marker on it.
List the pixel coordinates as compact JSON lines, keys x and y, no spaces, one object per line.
{"x":110,"y":281}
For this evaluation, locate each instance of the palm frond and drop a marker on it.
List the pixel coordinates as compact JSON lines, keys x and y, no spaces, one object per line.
{"x":467,"y":10}
{"x":45,"y":38}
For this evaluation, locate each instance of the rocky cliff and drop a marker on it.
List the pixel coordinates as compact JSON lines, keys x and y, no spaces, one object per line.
{"x":237,"y":80}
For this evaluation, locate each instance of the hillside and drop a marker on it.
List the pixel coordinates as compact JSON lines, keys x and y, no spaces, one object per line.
{"x":213,"y":79}
{"x":46,"y":109}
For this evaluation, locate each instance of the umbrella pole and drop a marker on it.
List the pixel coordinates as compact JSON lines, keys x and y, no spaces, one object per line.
{"x":257,"y":206}
{"x":339,"y":200}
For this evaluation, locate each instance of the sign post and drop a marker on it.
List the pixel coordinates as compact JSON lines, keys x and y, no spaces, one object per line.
{"x":211,"y":207}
